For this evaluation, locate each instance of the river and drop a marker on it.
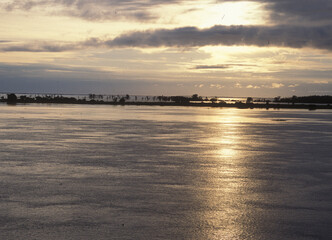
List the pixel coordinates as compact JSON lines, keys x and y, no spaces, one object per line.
{"x":153,"y":172}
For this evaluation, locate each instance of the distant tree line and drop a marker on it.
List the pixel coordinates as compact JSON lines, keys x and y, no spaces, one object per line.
{"x":194,"y":100}
{"x":94,"y":98}
{"x":305,"y":99}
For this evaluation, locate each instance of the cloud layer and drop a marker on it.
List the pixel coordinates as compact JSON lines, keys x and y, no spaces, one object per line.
{"x":297,"y":11}
{"x":319,"y":37}
{"x":309,"y":24}
{"x":117,"y":38}
{"x":97,"y":10}
{"x":286,"y":36}
{"x":281,"y":11}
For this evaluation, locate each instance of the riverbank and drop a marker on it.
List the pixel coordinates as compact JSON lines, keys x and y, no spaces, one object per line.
{"x":191,"y":104}
{"x":194,"y":101}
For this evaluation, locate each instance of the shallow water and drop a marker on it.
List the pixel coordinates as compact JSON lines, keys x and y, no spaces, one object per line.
{"x":142,"y":172}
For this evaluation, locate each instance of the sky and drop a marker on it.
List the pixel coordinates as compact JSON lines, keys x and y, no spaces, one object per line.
{"x":258,"y":48}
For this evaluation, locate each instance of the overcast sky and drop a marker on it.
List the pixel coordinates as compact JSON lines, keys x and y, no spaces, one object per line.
{"x":260,"y":48}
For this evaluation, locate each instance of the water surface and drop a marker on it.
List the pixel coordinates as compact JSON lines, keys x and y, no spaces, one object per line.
{"x":150,"y":172}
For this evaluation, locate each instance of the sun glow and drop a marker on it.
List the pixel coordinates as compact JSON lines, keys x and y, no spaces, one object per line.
{"x":238,"y":13}
{"x":230,"y":13}
{"x":206,"y":14}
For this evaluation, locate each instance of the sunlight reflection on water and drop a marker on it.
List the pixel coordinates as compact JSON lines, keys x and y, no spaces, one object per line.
{"x":111,"y":172}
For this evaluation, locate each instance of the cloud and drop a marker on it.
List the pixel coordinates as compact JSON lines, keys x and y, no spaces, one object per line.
{"x":296,"y":24}
{"x":218,"y":86}
{"x":272,"y":86}
{"x":253,"y":87}
{"x":313,"y":75}
{"x":280,"y":11}
{"x":24,"y":69}
{"x":199,"y":85}
{"x":277,"y":85}
{"x":294,"y":12}
{"x":80,"y":4}
{"x":97,"y":10}
{"x":222,"y":66}
{"x":211,"y":67}
{"x":298,"y":10}
{"x":40,"y":47}
{"x":319,"y":37}
{"x":238,"y":85}
{"x":293,"y":85}
{"x":282,"y":35}
{"x":81,"y":79}
{"x":321,"y":82}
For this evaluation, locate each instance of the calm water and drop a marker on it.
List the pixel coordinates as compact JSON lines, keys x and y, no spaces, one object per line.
{"x":111,"y":172}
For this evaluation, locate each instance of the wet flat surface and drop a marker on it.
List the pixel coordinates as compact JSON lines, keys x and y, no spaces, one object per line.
{"x":111,"y":172}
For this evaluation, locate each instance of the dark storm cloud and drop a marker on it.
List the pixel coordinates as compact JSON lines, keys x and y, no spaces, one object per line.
{"x":319,"y":37}
{"x":300,"y":10}
{"x":296,"y":11}
{"x":282,"y":36}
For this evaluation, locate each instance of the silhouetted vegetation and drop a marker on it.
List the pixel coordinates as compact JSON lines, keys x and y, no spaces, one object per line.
{"x":11,"y":98}
{"x":307,"y":102}
{"x":122,"y":100}
{"x":306,"y":99}
{"x":249,"y":100}
{"x":195,"y":97}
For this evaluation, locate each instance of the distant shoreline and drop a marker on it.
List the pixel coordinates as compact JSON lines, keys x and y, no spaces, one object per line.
{"x":216,"y":105}
{"x":194,"y":101}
